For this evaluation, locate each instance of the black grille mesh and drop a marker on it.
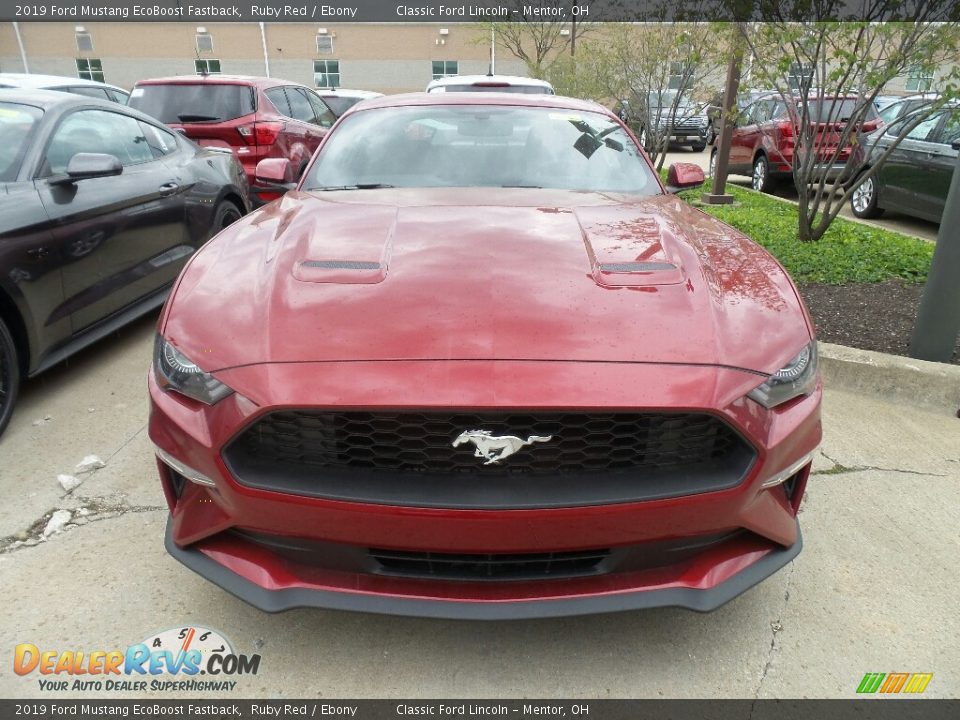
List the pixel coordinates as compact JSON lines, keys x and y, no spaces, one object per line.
{"x":489,"y":567}
{"x":421,"y":442}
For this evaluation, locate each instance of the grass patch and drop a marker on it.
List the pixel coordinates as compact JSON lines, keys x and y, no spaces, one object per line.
{"x":849,"y":252}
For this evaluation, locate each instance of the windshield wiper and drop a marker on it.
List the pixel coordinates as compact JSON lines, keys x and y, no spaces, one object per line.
{"x":196,"y":118}
{"x":358,"y":186}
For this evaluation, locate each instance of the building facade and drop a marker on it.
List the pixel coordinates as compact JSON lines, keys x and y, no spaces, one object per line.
{"x":385,"y":57}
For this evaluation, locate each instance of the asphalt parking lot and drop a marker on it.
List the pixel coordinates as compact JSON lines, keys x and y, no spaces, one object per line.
{"x":874,"y":589}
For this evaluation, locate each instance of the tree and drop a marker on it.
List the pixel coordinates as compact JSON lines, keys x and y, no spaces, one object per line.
{"x":828,"y":75}
{"x":538,"y":42}
{"x":652,"y":71}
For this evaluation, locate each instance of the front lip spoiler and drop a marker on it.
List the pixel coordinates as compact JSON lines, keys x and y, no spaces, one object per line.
{"x":288,"y":599}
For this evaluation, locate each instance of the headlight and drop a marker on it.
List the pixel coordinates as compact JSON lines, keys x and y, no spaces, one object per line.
{"x":796,"y":378}
{"x":176,"y":372}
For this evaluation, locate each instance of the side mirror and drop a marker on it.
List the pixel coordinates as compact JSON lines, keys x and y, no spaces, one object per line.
{"x":684,"y":176}
{"x":84,"y":166}
{"x":275,"y":172}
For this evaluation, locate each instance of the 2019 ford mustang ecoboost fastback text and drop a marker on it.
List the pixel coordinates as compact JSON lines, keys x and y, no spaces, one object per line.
{"x":482,"y":364}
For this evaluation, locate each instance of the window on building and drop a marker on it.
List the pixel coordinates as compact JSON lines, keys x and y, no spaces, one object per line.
{"x":445,"y":68}
{"x":326,"y":73}
{"x":325,"y":44}
{"x":90,"y":69}
{"x":204,"y":42}
{"x":207,"y":67}
{"x":801,"y":75}
{"x":919,"y":80}
{"x":84,"y":42}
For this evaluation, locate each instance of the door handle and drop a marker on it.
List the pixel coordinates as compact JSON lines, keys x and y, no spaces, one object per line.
{"x":168,"y":189}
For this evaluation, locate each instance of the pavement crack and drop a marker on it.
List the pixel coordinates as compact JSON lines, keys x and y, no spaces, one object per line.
{"x":841,"y":469}
{"x":91,"y":510}
{"x":126,"y":442}
{"x":776,"y":627}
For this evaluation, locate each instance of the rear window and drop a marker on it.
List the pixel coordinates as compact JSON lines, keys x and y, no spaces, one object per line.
{"x":340,"y":104}
{"x":838,"y":110}
{"x":17,"y":124}
{"x":202,"y":102}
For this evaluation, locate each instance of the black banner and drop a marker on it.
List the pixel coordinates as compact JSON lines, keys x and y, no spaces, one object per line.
{"x":452,"y":11}
{"x":879,"y":708}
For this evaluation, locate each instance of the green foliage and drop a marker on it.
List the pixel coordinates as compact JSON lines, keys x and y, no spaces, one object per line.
{"x":848,"y":252}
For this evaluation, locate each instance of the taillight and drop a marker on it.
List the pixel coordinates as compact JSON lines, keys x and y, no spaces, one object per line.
{"x":260,"y":133}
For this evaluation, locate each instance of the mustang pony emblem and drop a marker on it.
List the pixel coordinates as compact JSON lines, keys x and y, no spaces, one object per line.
{"x":496,"y":447}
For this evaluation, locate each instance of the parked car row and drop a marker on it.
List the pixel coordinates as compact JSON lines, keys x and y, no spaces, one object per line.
{"x":914,"y":178}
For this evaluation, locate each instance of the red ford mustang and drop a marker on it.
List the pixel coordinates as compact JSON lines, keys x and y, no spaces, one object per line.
{"x":480,"y":363}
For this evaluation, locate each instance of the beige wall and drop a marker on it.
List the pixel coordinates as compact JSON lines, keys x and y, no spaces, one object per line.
{"x":387,"y":57}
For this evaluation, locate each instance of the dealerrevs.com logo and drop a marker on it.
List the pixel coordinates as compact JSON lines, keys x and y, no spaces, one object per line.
{"x":894,"y":683}
{"x":172,"y":660}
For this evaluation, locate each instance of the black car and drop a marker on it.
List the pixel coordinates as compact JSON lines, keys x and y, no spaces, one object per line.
{"x":100,"y":207}
{"x":915,"y":177}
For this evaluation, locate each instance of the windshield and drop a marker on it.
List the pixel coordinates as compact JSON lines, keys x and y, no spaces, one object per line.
{"x":339,"y":104}
{"x":481,"y":146}
{"x":201,"y":102}
{"x":17,"y":123}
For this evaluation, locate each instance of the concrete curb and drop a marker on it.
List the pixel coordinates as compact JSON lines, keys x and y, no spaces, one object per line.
{"x":893,"y":377}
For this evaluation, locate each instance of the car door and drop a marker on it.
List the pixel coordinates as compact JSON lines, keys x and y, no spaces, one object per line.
{"x":745,"y":137}
{"x":904,"y":175}
{"x":112,"y":232}
{"x":941,"y":161}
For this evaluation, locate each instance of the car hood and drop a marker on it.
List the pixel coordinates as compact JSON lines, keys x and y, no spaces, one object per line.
{"x":378,"y":275}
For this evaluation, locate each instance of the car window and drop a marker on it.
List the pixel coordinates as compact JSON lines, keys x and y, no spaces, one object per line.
{"x":482,"y":146}
{"x":339,"y":104}
{"x":279,"y":99}
{"x":923,"y":130}
{"x":96,"y":131}
{"x":950,"y":132}
{"x":194,"y":102}
{"x":325,"y":117}
{"x":891,"y":112}
{"x":161,"y":142}
{"x":17,"y":125}
{"x":300,"y":107}
{"x":120,"y":96}
{"x":86,"y":91}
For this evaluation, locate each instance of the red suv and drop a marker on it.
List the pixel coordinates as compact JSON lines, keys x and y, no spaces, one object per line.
{"x":763,"y":141}
{"x":255,"y":117}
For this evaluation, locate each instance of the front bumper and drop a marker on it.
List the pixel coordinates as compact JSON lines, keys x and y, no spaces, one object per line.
{"x":227,"y":572}
{"x":207,"y":524}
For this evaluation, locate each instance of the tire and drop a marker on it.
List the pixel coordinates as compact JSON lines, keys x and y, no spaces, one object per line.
{"x":9,"y":375}
{"x":761,"y":180}
{"x":864,"y":201}
{"x":226,"y":214}
{"x":711,"y":135}
{"x":712,"y":168}
{"x":699,"y":147}
{"x":643,"y":139}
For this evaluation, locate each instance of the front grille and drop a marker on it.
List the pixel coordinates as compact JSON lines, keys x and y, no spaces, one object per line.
{"x":489,"y":567}
{"x":409,"y":458}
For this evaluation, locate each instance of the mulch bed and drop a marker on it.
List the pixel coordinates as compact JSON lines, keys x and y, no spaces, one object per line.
{"x":872,"y":316}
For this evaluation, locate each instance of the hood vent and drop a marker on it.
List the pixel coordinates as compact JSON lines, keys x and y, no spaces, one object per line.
{"x":341,"y":264}
{"x":632,"y":267}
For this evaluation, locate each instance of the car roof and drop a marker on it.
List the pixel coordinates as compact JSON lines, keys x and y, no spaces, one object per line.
{"x":346,"y":92}
{"x":30,"y":80}
{"x":559,"y":102}
{"x":485,"y":79}
{"x":215,"y":79}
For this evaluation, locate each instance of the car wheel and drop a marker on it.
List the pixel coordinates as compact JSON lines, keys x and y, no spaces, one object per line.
{"x":762,"y":182}
{"x":9,"y":375}
{"x":699,"y":147}
{"x":227,"y":214}
{"x":711,"y":135}
{"x":712,"y":169}
{"x":643,"y":139}
{"x":863,"y":202}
